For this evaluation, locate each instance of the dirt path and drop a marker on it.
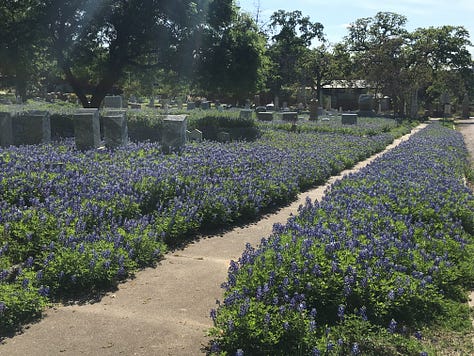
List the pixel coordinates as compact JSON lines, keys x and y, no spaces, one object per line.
{"x":164,"y":310}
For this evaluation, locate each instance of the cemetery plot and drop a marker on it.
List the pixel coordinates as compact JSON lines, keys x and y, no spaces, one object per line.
{"x":75,"y":221}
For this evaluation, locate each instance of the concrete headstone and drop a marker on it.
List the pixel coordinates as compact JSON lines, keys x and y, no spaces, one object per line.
{"x":174,"y":133}
{"x":32,"y":128}
{"x":223,"y":136}
{"x":313,"y":109}
{"x":245,"y":114}
{"x":205,"y":105}
{"x":115,"y":129}
{"x":87,"y":129}
{"x":366,"y":105}
{"x":113,"y":101}
{"x":29,"y":128}
{"x":349,"y":119}
{"x":194,"y":135}
{"x":265,"y":115}
{"x":289,"y":116}
{"x":6,"y":129}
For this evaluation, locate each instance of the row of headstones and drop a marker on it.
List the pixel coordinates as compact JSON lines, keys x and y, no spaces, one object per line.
{"x":116,"y":102}
{"x":347,"y":118}
{"x":34,"y":127}
{"x":87,"y":130}
{"x":87,"y":133}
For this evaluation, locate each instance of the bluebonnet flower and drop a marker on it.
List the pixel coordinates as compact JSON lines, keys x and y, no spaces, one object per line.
{"x":267,"y":318}
{"x":213,"y":314}
{"x":43,"y":291}
{"x":355,"y":349}
{"x":392,"y":326}
{"x":340,"y":311}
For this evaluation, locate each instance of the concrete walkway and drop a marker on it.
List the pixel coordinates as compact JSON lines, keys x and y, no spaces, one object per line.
{"x":164,"y":310}
{"x":466,"y":128}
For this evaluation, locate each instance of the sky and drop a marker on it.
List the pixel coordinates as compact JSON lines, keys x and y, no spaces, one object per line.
{"x":336,"y":15}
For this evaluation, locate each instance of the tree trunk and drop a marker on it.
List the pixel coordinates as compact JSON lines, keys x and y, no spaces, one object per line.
{"x":103,"y":88}
{"x":76,"y":86}
{"x":20,"y":86}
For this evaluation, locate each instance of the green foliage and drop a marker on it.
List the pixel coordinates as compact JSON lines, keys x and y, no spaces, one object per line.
{"x":19,"y":303}
{"x":232,"y":62}
{"x":293,"y":34}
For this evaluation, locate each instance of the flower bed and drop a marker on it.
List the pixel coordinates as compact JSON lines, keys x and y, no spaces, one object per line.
{"x":74,"y":222}
{"x":386,"y":253}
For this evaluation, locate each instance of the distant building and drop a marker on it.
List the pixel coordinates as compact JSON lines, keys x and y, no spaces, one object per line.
{"x":345,"y":93}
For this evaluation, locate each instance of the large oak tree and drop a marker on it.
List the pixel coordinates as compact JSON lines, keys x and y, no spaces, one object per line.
{"x":95,"y":42}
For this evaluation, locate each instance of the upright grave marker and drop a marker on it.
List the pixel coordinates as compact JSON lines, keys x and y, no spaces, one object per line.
{"x":174,"y":133}
{"x":29,"y":128}
{"x":349,"y":119}
{"x":194,"y":135}
{"x":32,"y":128}
{"x":87,"y":128}
{"x":115,"y":128}
{"x":6,"y":129}
{"x":265,"y":115}
{"x":366,"y":105}
{"x":291,"y":116}
{"x":113,"y":101}
{"x":313,"y":109}
{"x":245,"y":114}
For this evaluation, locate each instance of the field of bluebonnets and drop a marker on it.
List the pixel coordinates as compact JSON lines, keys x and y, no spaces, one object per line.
{"x":75,"y":222}
{"x":383,"y":260}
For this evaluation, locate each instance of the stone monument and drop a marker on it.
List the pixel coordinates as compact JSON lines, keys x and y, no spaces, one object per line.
{"x":194,"y":135}
{"x":113,"y":101}
{"x":349,"y":119}
{"x":29,"y":128}
{"x":6,"y":128}
{"x":115,"y":129}
{"x":174,"y":133}
{"x":87,"y":129}
{"x":313,"y":109}
{"x":245,"y":114}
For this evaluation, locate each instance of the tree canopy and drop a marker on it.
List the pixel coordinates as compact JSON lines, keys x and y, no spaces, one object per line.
{"x":212,"y":48}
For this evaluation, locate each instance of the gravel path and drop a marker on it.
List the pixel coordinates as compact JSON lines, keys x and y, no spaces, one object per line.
{"x":164,"y":310}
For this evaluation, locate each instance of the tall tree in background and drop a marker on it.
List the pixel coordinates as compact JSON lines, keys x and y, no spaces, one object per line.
{"x":441,"y":62}
{"x":293,"y":34}
{"x":95,"y":42}
{"x":232,"y":59}
{"x":322,"y":65}
{"x":22,"y":51}
{"x":377,"y":46}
